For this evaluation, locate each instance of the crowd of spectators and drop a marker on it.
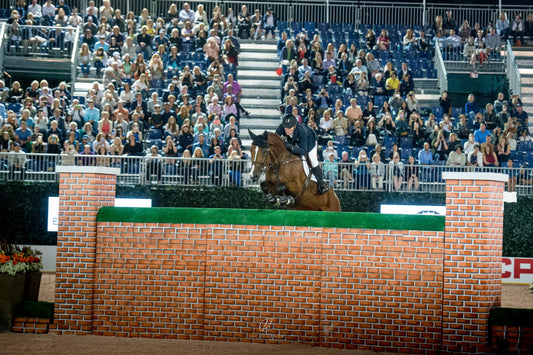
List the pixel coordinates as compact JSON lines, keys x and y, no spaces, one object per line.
{"x":163,"y":86}
{"x":366,"y":111}
{"x":168,"y":86}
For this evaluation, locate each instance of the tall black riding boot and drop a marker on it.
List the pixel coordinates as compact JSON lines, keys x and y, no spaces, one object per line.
{"x":322,"y":186}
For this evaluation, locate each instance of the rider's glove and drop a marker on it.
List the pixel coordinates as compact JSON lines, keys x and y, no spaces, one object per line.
{"x":289,"y":146}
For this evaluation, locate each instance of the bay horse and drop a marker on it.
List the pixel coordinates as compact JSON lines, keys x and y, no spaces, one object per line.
{"x":286,"y":183}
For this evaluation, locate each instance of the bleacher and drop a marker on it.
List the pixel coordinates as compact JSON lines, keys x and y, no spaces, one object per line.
{"x":420,"y":62}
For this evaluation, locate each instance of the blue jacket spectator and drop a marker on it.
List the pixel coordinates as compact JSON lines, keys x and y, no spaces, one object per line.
{"x":425,"y":156}
{"x":269,"y":22}
{"x":480,"y":135}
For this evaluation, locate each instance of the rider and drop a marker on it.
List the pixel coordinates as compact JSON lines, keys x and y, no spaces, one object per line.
{"x":301,"y":140}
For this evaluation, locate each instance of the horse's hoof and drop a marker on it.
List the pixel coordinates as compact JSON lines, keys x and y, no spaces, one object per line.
{"x":271,"y":198}
{"x":290,"y":201}
{"x":278,"y":202}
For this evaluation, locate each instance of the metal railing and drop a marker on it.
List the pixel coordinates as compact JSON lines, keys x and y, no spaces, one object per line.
{"x":3,"y":42}
{"x":442,"y":75}
{"x":338,"y":11}
{"x":41,"y":46}
{"x":513,"y":74}
{"x":74,"y":61}
{"x":455,"y":60}
{"x":363,"y":12}
{"x":136,"y":170}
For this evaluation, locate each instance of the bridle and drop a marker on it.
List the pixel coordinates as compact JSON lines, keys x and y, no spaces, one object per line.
{"x":262,"y":166}
{"x":274,"y":163}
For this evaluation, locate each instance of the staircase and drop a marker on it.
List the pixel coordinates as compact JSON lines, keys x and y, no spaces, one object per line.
{"x":427,"y":92}
{"x":524,"y":61}
{"x":260,"y":84}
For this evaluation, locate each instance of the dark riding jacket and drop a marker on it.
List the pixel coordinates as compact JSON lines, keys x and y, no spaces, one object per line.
{"x":303,"y":138}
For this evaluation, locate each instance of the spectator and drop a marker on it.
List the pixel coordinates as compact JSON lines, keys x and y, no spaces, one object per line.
{"x":409,"y":40}
{"x":133,"y":147}
{"x":475,"y":158}
{"x":153,"y":166}
{"x":492,"y":40}
{"x":257,"y":27}
{"x":440,"y":146}
{"x":377,"y":171}
{"x":244,"y":23}
{"x":521,"y":118}
{"x":17,"y":161}
{"x":456,"y":157}
{"x":411,"y":174}
{"x":502,"y":26}
{"x":448,"y":23}
{"x":392,"y":84}
{"x":340,"y":126}
{"x":517,"y":30}
{"x":86,"y":156}
{"x":330,"y":168}
{"x":186,"y":14}
{"x":528,"y":29}
{"x":216,"y":163}
{"x":425,"y":157}
{"x":269,"y":23}
{"x":489,"y":156}
{"x":481,"y":134}
{"x":201,"y":142}
{"x":397,"y":172}
{"x":23,"y":136}
{"x":362,"y":167}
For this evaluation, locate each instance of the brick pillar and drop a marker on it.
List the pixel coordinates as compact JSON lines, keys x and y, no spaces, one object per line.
{"x":472,"y":259}
{"x":82,"y":191}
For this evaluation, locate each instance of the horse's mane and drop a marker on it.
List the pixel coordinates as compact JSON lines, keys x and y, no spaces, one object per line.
{"x":274,"y":139}
{"x":268,"y":140}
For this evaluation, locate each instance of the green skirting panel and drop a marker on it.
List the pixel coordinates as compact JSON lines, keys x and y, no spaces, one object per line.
{"x":271,"y":218}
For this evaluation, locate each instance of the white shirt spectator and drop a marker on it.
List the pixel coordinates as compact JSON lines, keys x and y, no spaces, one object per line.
{"x":49,"y":10}
{"x":35,"y":9}
{"x":187,"y":14}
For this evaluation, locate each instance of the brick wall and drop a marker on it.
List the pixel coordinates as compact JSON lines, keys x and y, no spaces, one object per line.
{"x":82,"y":191}
{"x":344,"y":280}
{"x":30,"y":325}
{"x":472,"y":259}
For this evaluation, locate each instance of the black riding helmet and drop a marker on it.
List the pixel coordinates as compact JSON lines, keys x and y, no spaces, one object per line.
{"x":289,"y":121}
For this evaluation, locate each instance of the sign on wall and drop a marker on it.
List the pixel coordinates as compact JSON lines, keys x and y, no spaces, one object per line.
{"x":517,"y":270}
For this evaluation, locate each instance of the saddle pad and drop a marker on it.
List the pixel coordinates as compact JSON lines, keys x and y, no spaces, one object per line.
{"x":306,"y":169}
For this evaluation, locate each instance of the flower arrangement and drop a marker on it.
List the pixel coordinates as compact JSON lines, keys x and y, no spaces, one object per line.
{"x":14,"y":260}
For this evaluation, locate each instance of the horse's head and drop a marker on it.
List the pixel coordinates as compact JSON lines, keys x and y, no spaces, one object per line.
{"x":260,"y":154}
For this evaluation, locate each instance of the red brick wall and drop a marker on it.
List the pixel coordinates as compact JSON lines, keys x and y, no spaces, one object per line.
{"x":333,"y":287}
{"x":511,"y":340}
{"x":472,"y":262}
{"x":381,"y":290}
{"x":30,"y":325}
{"x":82,"y":191}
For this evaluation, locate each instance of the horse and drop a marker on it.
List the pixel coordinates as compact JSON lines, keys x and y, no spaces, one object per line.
{"x":286,"y":183}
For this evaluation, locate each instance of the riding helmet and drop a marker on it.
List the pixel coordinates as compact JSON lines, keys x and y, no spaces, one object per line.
{"x":289,"y":121}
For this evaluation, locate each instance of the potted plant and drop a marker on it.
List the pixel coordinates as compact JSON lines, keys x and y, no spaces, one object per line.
{"x":33,"y":274}
{"x":14,"y":264}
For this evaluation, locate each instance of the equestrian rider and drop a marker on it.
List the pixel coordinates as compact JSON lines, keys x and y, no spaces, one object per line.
{"x":301,"y":140}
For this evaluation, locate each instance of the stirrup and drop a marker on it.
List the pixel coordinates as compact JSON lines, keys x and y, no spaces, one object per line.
{"x":323,"y":188}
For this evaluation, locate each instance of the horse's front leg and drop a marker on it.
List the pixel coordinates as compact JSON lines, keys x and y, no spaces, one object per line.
{"x":266,"y":187}
{"x":285,"y":200}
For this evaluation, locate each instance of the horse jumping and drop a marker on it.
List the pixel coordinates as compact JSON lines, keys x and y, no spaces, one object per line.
{"x":285,"y":180}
